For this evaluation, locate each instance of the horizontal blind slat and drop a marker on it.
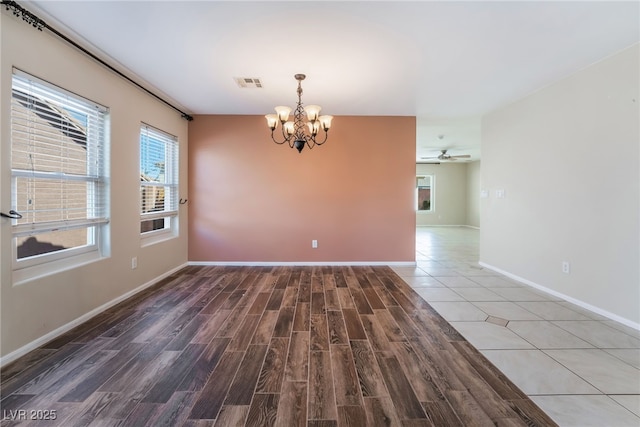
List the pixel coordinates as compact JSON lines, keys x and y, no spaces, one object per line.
{"x":45,"y":227}
{"x":58,"y":153}
{"x":158,"y":174}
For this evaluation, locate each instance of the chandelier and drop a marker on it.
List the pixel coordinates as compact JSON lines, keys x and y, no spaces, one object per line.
{"x":298,"y":133}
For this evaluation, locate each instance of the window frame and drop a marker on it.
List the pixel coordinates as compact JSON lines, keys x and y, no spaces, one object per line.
{"x":170,"y":184}
{"x":96,"y":177}
{"x":431,"y":195}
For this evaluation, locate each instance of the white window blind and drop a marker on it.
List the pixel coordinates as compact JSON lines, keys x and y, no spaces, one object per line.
{"x":58,"y":165}
{"x":423,"y":181}
{"x":158,"y":178}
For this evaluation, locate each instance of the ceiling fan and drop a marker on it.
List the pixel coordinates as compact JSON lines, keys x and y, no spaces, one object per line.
{"x":444,"y":156}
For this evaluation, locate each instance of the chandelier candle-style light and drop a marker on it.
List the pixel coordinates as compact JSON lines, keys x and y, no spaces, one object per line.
{"x":298,"y":133}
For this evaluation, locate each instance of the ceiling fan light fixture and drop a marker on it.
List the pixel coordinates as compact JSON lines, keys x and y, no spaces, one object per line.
{"x":448,"y":157}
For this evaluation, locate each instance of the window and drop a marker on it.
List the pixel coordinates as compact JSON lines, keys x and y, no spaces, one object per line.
{"x":158,"y":182}
{"x":424,"y":193}
{"x":58,"y":173}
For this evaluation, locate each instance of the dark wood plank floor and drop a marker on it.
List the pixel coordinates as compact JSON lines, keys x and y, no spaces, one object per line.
{"x":260,"y":346}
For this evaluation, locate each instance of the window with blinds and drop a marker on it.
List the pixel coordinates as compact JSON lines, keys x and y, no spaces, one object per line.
{"x":158,"y":180}
{"x":59,"y":170}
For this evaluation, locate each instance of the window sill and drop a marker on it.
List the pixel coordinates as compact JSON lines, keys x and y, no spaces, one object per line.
{"x":153,"y":237}
{"x":38,"y":271}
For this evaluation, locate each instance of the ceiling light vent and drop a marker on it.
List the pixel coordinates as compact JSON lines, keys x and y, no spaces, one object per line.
{"x":248,"y":82}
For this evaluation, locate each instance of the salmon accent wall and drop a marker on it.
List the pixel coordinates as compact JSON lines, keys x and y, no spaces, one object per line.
{"x":251,"y":200}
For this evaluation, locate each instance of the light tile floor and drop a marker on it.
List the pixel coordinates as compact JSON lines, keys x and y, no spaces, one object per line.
{"x":581,"y":368}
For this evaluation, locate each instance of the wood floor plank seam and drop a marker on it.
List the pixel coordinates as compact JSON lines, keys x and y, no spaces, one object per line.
{"x":276,"y":345}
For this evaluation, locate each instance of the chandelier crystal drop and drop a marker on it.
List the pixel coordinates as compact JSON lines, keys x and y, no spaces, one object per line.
{"x":298,"y":133}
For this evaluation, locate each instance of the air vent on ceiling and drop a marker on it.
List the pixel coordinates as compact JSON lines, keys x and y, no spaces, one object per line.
{"x":249,"y":82}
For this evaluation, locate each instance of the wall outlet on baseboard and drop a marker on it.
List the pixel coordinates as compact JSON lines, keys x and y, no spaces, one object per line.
{"x":566,"y":267}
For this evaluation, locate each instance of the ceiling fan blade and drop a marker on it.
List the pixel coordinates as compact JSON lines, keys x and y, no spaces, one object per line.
{"x":462,"y":156}
{"x":427,"y":158}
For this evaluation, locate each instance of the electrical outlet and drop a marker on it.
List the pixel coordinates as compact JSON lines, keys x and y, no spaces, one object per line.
{"x":134,"y":263}
{"x":500,"y":194}
{"x":566,"y":267}
{"x":314,"y":244}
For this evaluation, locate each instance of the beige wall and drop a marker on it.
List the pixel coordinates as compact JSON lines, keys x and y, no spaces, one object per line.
{"x":473,"y":194}
{"x":31,"y":310}
{"x":254,"y":201}
{"x":451,"y":199}
{"x":568,"y":160}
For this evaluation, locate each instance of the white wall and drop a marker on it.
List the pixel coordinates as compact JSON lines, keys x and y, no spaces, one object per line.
{"x":567,"y":157}
{"x":449,"y":194}
{"x":31,"y":310}
{"x":473,"y":194}
{"x":456,"y":194}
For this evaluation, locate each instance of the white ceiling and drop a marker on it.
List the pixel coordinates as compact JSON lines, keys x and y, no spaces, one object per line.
{"x":445,"y":62}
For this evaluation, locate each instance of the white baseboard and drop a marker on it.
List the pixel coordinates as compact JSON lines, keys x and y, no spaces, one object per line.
{"x":301,"y":263}
{"x":78,"y":321}
{"x":447,"y":225}
{"x":572,"y":300}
